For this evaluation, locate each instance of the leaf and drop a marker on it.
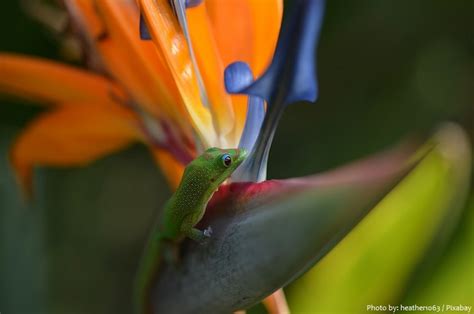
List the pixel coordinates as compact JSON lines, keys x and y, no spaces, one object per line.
{"x":383,"y":252}
{"x":267,"y":234}
{"x":452,"y":280}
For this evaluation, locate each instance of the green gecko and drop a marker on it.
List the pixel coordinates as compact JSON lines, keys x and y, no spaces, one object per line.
{"x":186,"y":207}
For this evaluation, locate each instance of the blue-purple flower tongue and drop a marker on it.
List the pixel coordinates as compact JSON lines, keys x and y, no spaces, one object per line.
{"x":293,"y":69}
{"x":192,"y":3}
{"x":291,"y":77}
{"x":236,"y":77}
{"x":144,"y":32}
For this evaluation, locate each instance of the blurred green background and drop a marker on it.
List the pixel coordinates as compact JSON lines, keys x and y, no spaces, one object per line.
{"x":387,"y":69}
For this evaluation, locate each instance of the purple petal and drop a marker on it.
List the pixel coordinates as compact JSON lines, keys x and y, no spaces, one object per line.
{"x":291,"y":77}
{"x":192,"y":3}
{"x":144,"y":32}
{"x":237,"y":76}
{"x":253,"y":123}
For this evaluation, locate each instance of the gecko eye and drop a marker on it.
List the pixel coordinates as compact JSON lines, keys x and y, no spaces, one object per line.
{"x":226,"y":160}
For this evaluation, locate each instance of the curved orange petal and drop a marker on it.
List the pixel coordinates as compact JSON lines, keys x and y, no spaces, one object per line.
{"x":48,"y":82}
{"x":118,"y":61}
{"x":276,"y":302}
{"x":211,"y":68}
{"x":121,"y":17}
{"x":169,"y":39}
{"x":240,"y":112}
{"x":72,"y":136}
{"x":246,"y":30}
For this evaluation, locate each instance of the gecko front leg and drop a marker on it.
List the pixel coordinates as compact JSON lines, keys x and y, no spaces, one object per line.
{"x":187,"y":228}
{"x":199,"y":236}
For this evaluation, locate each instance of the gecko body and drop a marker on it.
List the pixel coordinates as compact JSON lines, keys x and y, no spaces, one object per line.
{"x":186,"y":207}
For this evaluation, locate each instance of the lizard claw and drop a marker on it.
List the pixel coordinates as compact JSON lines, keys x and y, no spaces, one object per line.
{"x":208,"y":232}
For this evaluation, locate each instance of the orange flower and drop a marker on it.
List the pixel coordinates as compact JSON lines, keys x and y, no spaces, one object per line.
{"x":167,"y":93}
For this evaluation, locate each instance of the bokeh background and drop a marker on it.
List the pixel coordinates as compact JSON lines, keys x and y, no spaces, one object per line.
{"x":387,"y":69}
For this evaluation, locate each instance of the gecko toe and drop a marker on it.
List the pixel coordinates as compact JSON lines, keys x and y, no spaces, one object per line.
{"x":208,"y":232}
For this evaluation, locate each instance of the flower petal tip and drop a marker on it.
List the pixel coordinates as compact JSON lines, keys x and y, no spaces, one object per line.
{"x":294,"y":58}
{"x":144,"y":32}
{"x":192,"y":3}
{"x":237,"y":77}
{"x":23,"y":173}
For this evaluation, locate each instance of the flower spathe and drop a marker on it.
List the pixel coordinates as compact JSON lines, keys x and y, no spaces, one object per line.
{"x":138,"y":90}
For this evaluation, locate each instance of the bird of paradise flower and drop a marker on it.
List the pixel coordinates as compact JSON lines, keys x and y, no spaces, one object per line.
{"x":140,"y":90}
{"x":190,"y":87}
{"x":168,"y":93}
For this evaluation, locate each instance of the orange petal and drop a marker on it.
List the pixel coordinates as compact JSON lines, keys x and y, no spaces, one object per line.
{"x":117,"y":60}
{"x":169,"y":38}
{"x":276,"y":303}
{"x":121,"y":17}
{"x":49,"y":82}
{"x":211,"y":68}
{"x":72,"y":136}
{"x":246,"y":30}
{"x":240,"y":112}
{"x":172,"y":169}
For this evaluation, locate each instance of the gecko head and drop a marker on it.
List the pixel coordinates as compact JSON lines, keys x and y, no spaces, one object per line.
{"x":221,"y":163}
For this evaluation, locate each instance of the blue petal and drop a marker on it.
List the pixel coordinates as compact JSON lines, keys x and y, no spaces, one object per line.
{"x":291,"y":77}
{"x":144,"y":32}
{"x":238,"y":75}
{"x":293,"y":64}
{"x":193,"y":3}
{"x":253,"y":122}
